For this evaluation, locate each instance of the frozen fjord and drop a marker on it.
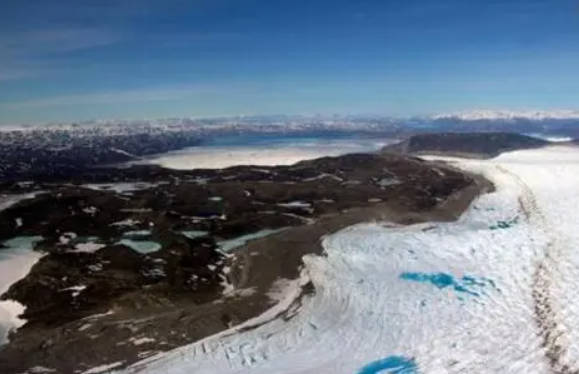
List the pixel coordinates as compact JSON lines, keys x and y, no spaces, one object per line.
{"x":491,"y":292}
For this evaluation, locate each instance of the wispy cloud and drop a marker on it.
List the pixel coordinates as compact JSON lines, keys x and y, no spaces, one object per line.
{"x":24,"y":54}
{"x":38,"y":42}
{"x":8,"y":73}
{"x":155,"y":94}
{"x":183,"y":39}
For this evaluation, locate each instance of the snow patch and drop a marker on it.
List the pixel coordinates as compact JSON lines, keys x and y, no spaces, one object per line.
{"x":103,"y":368}
{"x":141,"y":341}
{"x":489,"y":114}
{"x":15,"y":263}
{"x":126,"y":222}
{"x":88,"y":247}
{"x":122,"y":188}
{"x":232,"y":244}
{"x":8,"y":201}
{"x":76,"y":290}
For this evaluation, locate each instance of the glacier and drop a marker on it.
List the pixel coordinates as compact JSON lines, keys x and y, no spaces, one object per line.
{"x":493,"y":292}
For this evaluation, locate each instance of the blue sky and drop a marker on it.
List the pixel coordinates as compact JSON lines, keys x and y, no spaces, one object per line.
{"x":76,"y":60}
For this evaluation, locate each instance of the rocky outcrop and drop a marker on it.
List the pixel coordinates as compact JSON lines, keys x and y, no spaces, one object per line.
{"x":476,"y":145}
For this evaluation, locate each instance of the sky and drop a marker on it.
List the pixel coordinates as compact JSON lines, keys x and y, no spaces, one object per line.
{"x":70,"y":60}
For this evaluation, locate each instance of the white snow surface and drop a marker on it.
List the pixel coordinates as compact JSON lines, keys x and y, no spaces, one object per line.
{"x":215,"y":157}
{"x":232,"y":244}
{"x":9,"y":200}
{"x":89,"y":247}
{"x":493,"y":292}
{"x":143,"y":340}
{"x":15,"y":263}
{"x":122,"y":187}
{"x":75,"y":290}
{"x":103,"y":368}
{"x":490,"y":114}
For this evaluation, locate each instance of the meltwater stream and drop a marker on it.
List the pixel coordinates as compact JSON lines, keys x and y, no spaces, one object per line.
{"x":494,"y":292}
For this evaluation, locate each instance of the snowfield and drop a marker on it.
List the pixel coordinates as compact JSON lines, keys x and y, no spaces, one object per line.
{"x":216,"y":157}
{"x":494,"y":292}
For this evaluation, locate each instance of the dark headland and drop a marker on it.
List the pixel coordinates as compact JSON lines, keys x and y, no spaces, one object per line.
{"x":471,"y":145}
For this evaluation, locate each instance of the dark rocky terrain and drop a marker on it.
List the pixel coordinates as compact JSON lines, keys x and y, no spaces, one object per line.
{"x":477,"y":145}
{"x":90,"y":305}
{"x":65,"y":153}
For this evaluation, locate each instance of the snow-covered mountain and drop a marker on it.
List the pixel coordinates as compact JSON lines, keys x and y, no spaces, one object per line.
{"x":36,"y":150}
{"x":497,"y":115}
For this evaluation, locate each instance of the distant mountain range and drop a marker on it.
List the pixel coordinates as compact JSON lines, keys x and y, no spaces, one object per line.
{"x":290,"y":123}
{"x":508,"y":115}
{"x":471,"y":145}
{"x":63,"y":149}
